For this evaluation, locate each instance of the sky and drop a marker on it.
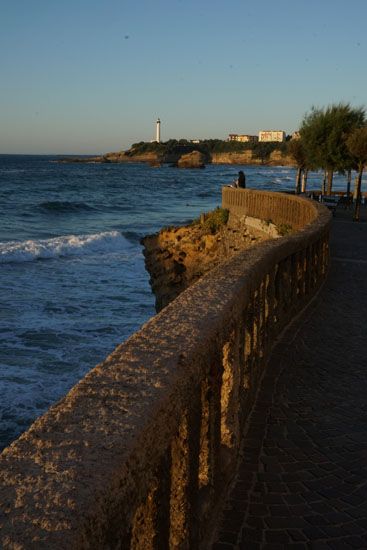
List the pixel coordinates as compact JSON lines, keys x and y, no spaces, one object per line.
{"x":88,"y":76}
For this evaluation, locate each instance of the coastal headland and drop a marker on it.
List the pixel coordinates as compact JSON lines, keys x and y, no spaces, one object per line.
{"x":194,"y":155}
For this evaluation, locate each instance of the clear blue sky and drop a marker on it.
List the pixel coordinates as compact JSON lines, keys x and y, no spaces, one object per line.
{"x":87,"y":76}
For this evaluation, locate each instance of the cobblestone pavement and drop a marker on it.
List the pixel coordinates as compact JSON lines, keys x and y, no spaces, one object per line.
{"x":302,"y":482}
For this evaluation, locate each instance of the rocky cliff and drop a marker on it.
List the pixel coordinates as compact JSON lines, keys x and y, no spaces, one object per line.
{"x":176,"y":257}
{"x":234,"y":158}
{"x":276,"y":158}
{"x":192,"y":160}
{"x":195,"y":159}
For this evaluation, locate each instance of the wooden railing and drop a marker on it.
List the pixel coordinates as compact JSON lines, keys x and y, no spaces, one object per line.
{"x":139,"y":453}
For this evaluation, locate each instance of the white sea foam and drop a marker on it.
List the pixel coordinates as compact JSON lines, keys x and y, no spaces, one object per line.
{"x":68,"y":245}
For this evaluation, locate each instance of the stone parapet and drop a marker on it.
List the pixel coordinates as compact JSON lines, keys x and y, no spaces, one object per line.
{"x":140,"y":451}
{"x":279,"y":208}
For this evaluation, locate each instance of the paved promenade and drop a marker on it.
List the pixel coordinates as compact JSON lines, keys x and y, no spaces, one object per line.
{"x":302,"y":482}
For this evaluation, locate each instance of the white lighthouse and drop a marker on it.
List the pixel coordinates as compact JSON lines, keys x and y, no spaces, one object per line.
{"x":158,"y":131}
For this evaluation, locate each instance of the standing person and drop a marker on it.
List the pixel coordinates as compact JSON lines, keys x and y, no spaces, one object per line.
{"x":241,"y":180}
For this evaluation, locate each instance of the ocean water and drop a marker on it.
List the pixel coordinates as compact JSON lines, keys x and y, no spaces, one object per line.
{"x":72,"y":278}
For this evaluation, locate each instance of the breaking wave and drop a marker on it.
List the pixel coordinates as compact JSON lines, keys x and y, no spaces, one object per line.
{"x":68,"y":245}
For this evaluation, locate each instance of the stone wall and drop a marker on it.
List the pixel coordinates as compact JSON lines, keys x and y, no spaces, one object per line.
{"x":282,"y":209}
{"x":139,"y":453}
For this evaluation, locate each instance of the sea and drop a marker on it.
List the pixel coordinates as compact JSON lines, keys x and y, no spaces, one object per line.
{"x":72,"y":279}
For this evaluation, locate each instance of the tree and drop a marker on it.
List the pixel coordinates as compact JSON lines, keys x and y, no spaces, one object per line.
{"x":357,"y":147}
{"x":296,"y":150}
{"x":324,"y":133}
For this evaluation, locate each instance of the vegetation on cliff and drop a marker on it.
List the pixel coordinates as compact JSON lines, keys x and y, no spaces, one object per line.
{"x":210,"y":150}
{"x":211,"y":222}
{"x":206,"y":147}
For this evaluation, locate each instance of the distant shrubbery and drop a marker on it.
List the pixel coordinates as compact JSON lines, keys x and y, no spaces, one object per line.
{"x":146,"y":147}
{"x":221,"y":146}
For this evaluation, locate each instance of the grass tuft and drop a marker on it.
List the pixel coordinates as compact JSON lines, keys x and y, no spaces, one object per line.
{"x":284,"y":229}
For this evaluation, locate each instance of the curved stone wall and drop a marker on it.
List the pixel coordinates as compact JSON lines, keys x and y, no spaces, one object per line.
{"x":278,"y":207}
{"x":139,"y":452}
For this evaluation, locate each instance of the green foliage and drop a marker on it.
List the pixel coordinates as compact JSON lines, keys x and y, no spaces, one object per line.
{"x":146,"y":147}
{"x":284,"y":229}
{"x":357,"y":145}
{"x":263,"y":150}
{"x":324,"y":133}
{"x":296,"y":149}
{"x":215,"y":219}
{"x":207,"y":147}
{"x":221,"y":146}
{"x":212,"y":221}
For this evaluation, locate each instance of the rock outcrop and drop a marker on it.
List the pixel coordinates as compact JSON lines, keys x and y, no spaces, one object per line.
{"x":246,"y":157}
{"x":276,"y":158}
{"x":195,"y":159}
{"x":176,"y":257}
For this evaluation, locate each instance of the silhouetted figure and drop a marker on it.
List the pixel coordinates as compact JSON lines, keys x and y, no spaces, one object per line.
{"x":241,"y":180}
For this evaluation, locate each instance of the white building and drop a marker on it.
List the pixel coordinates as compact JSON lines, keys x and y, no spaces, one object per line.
{"x":272,"y":135}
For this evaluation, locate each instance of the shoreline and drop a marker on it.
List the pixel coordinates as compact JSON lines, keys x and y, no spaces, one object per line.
{"x":221,"y":159}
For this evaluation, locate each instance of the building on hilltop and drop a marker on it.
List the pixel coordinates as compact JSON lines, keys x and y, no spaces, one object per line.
{"x":244,"y":138}
{"x":272,"y":135}
{"x":296,"y":135}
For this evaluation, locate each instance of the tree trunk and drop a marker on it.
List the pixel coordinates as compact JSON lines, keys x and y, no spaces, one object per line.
{"x":298,"y":180}
{"x":329,"y":174}
{"x":304,"y":181}
{"x":358,"y":198}
{"x":355,"y":190}
{"x":349,"y":179}
{"x":323,"y":188}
